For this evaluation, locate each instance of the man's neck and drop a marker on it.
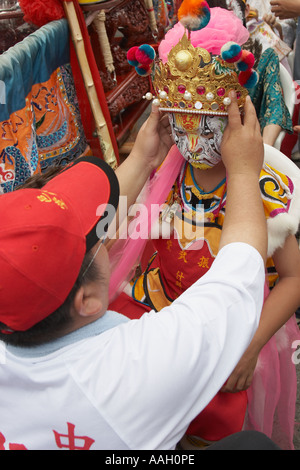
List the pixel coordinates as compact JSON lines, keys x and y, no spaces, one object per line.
{"x":95,"y":328}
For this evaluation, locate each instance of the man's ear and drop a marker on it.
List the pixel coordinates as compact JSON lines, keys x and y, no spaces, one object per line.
{"x":86,"y":303}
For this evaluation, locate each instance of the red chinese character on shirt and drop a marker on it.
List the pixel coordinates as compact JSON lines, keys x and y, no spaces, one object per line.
{"x":11,"y":446}
{"x":83,"y":442}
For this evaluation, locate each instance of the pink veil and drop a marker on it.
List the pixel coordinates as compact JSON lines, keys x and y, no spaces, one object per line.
{"x":273,"y":392}
{"x":223,"y":27}
{"x":126,"y":252}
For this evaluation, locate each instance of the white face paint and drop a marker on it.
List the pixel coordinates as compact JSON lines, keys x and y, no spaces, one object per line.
{"x":198,"y":137}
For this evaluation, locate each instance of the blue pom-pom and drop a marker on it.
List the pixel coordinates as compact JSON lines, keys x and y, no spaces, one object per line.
{"x":248,"y":79}
{"x":242,"y":66}
{"x":202,"y":21}
{"x":134,"y":63}
{"x":142,"y":71}
{"x":252,"y":81}
{"x":231,"y":52}
{"x":206,"y":16}
{"x":148,"y":50}
{"x":194,"y":15}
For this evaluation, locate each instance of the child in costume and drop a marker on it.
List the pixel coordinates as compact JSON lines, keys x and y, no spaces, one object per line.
{"x":192,"y":80}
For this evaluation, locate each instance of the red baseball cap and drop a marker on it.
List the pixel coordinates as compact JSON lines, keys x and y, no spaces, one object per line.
{"x":44,"y":236}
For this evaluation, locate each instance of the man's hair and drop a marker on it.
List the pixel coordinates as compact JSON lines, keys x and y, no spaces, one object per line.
{"x":56,"y":323}
{"x":40,"y":179}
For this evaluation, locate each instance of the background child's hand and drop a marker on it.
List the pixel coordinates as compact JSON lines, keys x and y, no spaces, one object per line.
{"x":285,"y":9}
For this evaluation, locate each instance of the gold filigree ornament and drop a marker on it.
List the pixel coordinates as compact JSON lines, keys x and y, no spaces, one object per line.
{"x":194,"y":81}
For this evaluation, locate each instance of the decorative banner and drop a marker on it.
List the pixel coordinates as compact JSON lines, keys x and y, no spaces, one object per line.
{"x":93,"y":90}
{"x":39,"y":118}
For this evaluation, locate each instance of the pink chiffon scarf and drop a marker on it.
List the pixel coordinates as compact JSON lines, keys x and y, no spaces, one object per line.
{"x":272,"y":395}
{"x":126,"y":252}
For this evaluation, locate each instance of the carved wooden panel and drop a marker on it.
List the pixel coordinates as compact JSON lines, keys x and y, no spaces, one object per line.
{"x":127,"y":24}
{"x":131,"y":92}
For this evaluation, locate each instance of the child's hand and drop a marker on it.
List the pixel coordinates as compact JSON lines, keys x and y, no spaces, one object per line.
{"x":297,"y":129}
{"x":154,"y":139}
{"x":241,"y":378}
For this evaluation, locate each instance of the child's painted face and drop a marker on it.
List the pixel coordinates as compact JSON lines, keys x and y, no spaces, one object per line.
{"x":198,"y":137}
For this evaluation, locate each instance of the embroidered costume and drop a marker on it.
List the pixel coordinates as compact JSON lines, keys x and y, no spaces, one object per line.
{"x":176,"y":265}
{"x":267,"y":95}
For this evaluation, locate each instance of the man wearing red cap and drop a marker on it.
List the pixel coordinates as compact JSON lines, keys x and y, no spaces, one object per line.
{"x":77,"y":376}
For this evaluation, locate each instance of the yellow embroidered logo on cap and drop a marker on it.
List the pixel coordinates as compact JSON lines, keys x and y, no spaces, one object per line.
{"x":46,"y":196}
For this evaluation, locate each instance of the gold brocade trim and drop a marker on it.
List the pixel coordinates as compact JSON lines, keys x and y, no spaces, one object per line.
{"x":200,"y":195}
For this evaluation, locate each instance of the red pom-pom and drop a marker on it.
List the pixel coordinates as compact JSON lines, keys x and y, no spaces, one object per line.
{"x":131,"y":54}
{"x":247,"y":61}
{"x":141,"y":58}
{"x":248,"y":79}
{"x":39,"y":12}
{"x":145,"y":54}
{"x":143,"y":70}
{"x":194,"y":14}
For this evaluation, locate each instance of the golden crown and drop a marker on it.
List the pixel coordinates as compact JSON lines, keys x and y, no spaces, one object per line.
{"x":194,"y":81}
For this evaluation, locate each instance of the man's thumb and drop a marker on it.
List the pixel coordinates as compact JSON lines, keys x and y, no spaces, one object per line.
{"x":153,"y":118}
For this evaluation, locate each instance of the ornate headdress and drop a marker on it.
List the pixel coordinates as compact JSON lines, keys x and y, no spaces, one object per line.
{"x":200,"y":61}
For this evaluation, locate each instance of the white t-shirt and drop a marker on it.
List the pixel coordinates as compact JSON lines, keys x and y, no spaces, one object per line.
{"x":140,"y":383}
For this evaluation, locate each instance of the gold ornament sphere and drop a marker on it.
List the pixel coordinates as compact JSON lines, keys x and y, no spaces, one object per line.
{"x":183,"y":60}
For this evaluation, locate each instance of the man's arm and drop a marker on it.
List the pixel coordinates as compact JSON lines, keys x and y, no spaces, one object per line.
{"x":242,"y":155}
{"x":152,"y":145}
